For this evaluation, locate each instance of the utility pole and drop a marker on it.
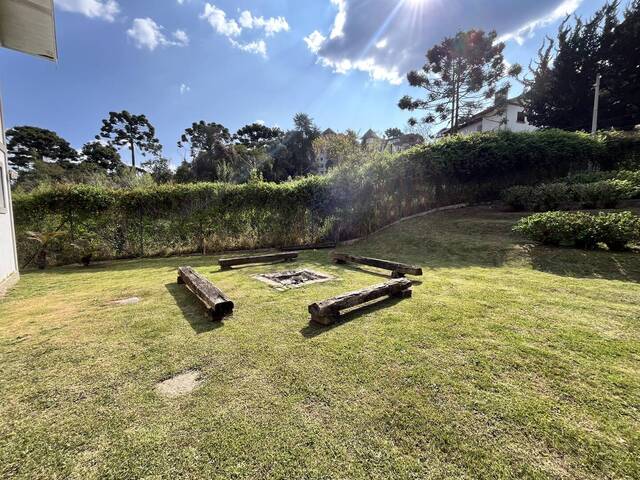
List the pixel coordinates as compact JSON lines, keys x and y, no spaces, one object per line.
{"x":596,"y":99}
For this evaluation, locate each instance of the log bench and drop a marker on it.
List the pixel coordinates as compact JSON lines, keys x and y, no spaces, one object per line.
{"x":217,"y":304}
{"x":327,"y":312}
{"x":227,"y":263}
{"x":309,"y":246}
{"x":398,"y":270}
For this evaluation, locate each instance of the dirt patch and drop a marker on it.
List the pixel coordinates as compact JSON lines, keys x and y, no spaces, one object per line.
{"x":126,"y":301}
{"x":180,"y":384}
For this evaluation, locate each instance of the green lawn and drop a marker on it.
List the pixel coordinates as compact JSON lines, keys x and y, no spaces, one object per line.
{"x":510,"y":361}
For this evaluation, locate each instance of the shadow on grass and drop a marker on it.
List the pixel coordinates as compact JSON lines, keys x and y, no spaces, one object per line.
{"x":313,"y":329}
{"x":192,"y":309}
{"x":568,"y":262}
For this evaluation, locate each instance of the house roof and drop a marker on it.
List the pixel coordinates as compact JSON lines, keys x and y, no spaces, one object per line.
{"x":328,"y":131}
{"x":487,"y":112}
{"x":407,"y":139}
{"x":370,"y":134}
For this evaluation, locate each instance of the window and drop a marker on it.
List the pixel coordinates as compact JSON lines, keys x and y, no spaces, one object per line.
{"x":3,"y":196}
{"x":521,"y":117}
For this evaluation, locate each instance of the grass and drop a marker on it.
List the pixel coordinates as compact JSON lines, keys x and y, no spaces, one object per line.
{"x":510,"y":361}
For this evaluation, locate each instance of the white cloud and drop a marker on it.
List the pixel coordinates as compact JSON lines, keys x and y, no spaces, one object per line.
{"x":258,"y":47}
{"x":184,"y":88}
{"x":314,"y":41}
{"x":567,"y":7}
{"x":146,"y":33}
{"x":341,"y":18}
{"x":271,"y":25}
{"x":260,"y":122}
{"x":386,"y":39}
{"x":181,"y":38}
{"x":103,"y":9}
{"x":232,"y":29}
{"x":218,"y":20}
{"x":368,"y":65}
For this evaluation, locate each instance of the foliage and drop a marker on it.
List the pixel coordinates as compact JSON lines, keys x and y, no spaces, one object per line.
{"x":581,"y":230}
{"x":27,"y":144}
{"x":123,"y":129}
{"x":559,"y":91}
{"x":340,"y":149}
{"x":257,"y":135}
{"x":603,"y":194}
{"x":594,"y":189}
{"x":159,"y":169}
{"x":352,"y":200}
{"x":460,"y":75}
{"x":102,"y":156}
{"x":393,"y":132}
{"x":43,"y":239}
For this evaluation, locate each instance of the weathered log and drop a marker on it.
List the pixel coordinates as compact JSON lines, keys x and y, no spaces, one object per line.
{"x":227,"y":263}
{"x":327,"y":312}
{"x":217,"y":304}
{"x":398,"y":269}
{"x":309,"y":246}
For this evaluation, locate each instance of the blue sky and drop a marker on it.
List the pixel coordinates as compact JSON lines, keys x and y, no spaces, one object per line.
{"x":239,"y":61}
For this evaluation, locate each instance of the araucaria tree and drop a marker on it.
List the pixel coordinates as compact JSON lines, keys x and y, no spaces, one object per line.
{"x":123,"y":129}
{"x":210,"y":148}
{"x":27,"y":144}
{"x":461,"y":74}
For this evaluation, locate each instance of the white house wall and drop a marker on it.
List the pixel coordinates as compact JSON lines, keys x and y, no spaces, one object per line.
{"x":490,"y":123}
{"x":8,"y":261}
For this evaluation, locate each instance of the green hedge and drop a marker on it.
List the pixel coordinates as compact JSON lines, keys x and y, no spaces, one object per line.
{"x":554,"y":196}
{"x":582,"y":230}
{"x":351,"y":201}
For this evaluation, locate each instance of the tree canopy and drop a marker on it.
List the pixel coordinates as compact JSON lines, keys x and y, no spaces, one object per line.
{"x":102,"y":156}
{"x":257,"y":135}
{"x":26,"y":144}
{"x":560,"y":87}
{"x":461,"y":74}
{"x":123,"y":129}
{"x":210,"y":148}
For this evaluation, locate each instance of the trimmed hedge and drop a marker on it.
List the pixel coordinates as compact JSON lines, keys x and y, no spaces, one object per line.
{"x":586,"y":190}
{"x":581,"y":230}
{"x":349,"y":202}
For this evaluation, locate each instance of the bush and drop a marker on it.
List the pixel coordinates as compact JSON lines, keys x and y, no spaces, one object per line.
{"x":603,"y":194}
{"x":580,"y":229}
{"x":542,"y":198}
{"x":552,"y":196}
{"x":519,"y":198}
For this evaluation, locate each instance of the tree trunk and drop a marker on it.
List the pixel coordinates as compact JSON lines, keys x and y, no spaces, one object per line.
{"x":133,"y":153}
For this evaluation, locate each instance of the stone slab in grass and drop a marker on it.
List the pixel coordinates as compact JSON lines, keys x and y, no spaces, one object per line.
{"x":126,"y":301}
{"x":179,"y":385}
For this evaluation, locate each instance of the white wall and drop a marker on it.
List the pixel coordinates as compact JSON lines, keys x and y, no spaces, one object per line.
{"x":496,"y":122}
{"x":8,"y":261}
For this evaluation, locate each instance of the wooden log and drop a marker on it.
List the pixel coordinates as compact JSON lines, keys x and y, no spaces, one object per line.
{"x":227,"y":263}
{"x":217,"y":304}
{"x":310,"y":246}
{"x":327,"y":312}
{"x":398,"y":269}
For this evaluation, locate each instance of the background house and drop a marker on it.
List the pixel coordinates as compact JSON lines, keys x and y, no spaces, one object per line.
{"x":510,"y":117}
